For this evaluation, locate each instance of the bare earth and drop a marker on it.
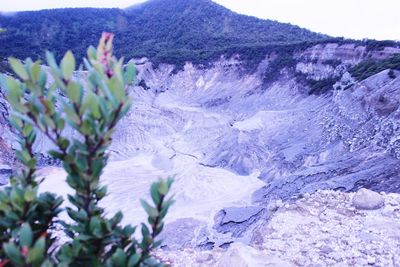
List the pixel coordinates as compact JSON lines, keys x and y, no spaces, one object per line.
{"x":322,"y":229}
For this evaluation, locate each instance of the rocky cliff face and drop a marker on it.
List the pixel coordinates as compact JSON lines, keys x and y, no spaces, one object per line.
{"x":235,"y":141}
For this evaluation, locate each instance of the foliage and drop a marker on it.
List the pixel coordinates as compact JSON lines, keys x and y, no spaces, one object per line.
{"x":92,"y":106}
{"x":283,"y":59}
{"x":374,"y":45}
{"x":333,"y":62}
{"x":316,"y":87}
{"x":321,"y":86}
{"x":371,"y":67}
{"x":168,"y":31}
{"x":391,"y":74}
{"x":4,"y":68}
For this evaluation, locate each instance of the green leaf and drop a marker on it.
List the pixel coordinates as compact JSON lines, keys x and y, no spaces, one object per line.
{"x":60,"y":124}
{"x":31,"y":164}
{"x":49,"y":122}
{"x":162,"y":188}
{"x":119,"y":258}
{"x":170,"y":181}
{"x":145,"y":231}
{"x":35,"y":71}
{"x":68,"y":65}
{"x":91,"y":53}
{"x":154,"y":193}
{"x":127,"y":105}
{"x":25,"y":235}
{"x":86,"y":128}
{"x":23,"y":156}
{"x":30,"y":195}
{"x":134,"y":260}
{"x":106,"y":90}
{"x":51,"y":61}
{"x":157,"y":243}
{"x":18,"y":68}
{"x":78,"y":216}
{"x":74,"y":92}
{"x":40,"y":244}
{"x":130,"y":73}
{"x":117,"y":88}
{"x":71,"y":115}
{"x":92,"y":104}
{"x":159,"y":228}
{"x":63,"y":143}
{"x":117,"y":218}
{"x":56,"y":154}
{"x":36,"y":254}
{"x":95,"y":225}
{"x":13,"y":254}
{"x":102,"y":192}
{"x":14,"y":92}
{"x":42,"y":79}
{"x":13,"y":85}
{"x":152,"y":212}
{"x":151,"y":261}
{"x":27,"y":130}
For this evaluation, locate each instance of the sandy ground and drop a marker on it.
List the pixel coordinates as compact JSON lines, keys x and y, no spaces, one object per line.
{"x":200,"y":191}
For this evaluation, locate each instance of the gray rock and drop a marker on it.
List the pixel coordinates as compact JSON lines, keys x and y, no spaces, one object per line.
{"x":371,"y":260}
{"x":326,"y":249}
{"x":180,"y":234}
{"x":366,"y":199}
{"x":240,"y":214}
{"x":237,"y":220}
{"x":5,"y":173}
{"x":388,"y":210}
{"x":3,"y":180}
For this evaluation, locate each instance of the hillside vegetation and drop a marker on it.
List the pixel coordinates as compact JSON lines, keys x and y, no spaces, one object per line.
{"x":168,"y":31}
{"x":370,"y":67}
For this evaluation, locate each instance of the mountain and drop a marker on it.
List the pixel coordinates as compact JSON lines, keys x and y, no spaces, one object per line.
{"x":169,"y":31}
{"x":235,"y":144}
{"x":314,"y":113}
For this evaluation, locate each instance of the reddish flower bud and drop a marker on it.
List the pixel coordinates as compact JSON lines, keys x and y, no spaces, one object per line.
{"x":25,"y":251}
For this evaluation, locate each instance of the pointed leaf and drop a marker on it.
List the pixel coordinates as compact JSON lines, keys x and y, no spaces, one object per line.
{"x":130,"y":73}
{"x":25,"y":235}
{"x":13,"y":253}
{"x":152,"y":212}
{"x":74,"y":92}
{"x":134,"y":260}
{"x":68,"y":65}
{"x":18,"y":68}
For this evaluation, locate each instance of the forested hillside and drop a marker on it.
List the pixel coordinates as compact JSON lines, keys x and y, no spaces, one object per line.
{"x":164,"y":30}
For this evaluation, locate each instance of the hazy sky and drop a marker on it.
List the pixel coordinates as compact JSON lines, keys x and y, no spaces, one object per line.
{"x":378,"y":19}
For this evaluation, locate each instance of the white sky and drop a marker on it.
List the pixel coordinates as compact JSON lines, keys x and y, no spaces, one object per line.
{"x":377,"y":19}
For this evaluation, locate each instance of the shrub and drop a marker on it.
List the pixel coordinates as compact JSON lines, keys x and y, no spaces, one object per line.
{"x":370,"y":67}
{"x":284,"y":59}
{"x":391,"y":74}
{"x":92,"y":107}
{"x":321,"y":86}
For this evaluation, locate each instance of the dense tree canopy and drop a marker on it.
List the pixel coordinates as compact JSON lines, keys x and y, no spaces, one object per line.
{"x":164,"y":30}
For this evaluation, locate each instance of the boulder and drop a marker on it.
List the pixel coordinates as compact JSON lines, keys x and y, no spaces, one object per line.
{"x":237,"y":220}
{"x":180,"y":234}
{"x":366,"y":199}
{"x":5,"y":172}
